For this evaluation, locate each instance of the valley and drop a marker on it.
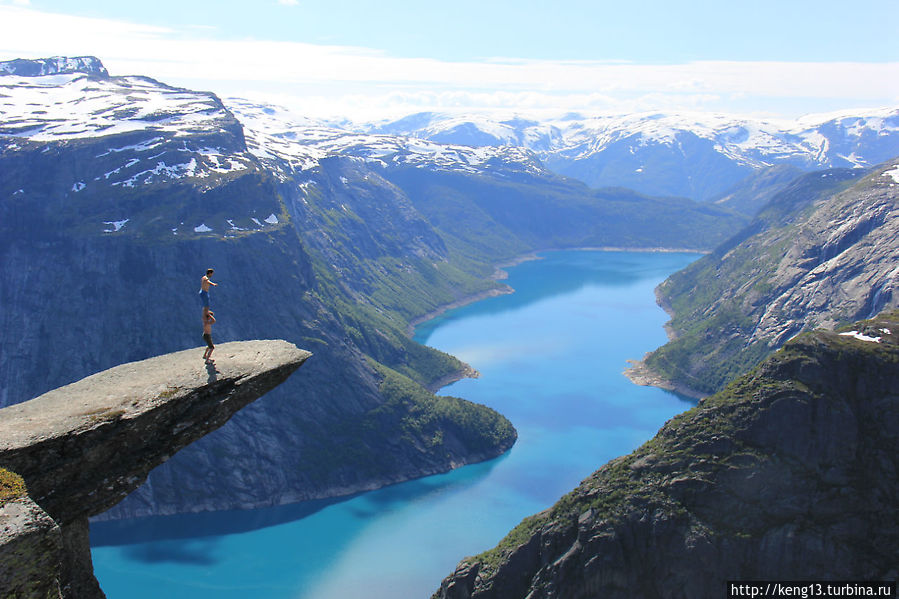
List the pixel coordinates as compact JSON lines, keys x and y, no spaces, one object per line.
{"x":331,"y":240}
{"x":118,"y":192}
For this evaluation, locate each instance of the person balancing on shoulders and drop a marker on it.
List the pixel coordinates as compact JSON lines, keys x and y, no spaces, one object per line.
{"x":208,"y":321}
{"x":205,"y":283}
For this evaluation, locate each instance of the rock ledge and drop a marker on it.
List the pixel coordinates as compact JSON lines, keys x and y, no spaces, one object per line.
{"x":83,"y":447}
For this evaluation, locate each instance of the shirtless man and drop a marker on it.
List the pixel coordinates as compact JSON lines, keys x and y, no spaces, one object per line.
{"x":205,"y":282}
{"x":208,"y":321}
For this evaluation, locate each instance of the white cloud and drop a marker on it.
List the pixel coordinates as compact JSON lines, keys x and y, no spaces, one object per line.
{"x":325,"y":79}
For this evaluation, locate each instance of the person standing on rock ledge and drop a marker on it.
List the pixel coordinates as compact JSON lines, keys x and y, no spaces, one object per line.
{"x":205,"y":283}
{"x":208,"y":321}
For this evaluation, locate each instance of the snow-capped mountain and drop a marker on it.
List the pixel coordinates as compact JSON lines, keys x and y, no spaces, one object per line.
{"x":155,"y":132}
{"x":275,"y":134}
{"x":78,"y":139}
{"x":697,"y":155}
{"x":55,"y":65}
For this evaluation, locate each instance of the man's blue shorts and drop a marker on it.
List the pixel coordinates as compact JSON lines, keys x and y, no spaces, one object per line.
{"x":204,"y":297}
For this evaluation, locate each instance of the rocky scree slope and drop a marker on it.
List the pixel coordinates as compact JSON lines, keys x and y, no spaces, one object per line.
{"x":789,"y":473}
{"x":118,"y":193}
{"x":80,"y":449}
{"x":825,"y":251}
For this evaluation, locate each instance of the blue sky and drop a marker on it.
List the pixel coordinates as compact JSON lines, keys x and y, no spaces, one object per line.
{"x":368,"y":59}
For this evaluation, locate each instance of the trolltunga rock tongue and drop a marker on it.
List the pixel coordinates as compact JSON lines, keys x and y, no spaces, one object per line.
{"x":83,"y":447}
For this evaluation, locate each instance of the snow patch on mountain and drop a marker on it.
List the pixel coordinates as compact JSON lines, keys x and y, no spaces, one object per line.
{"x":76,"y":106}
{"x":275,"y":134}
{"x":115,"y":224}
{"x":54,"y":65}
{"x":859,"y":138}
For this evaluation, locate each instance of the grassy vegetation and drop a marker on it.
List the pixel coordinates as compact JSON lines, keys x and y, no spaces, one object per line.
{"x":411,"y":417}
{"x":479,"y":428}
{"x":376,"y":285}
{"x":12,"y":486}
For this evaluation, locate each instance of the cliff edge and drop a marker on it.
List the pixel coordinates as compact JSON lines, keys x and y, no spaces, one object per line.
{"x":790,"y":473}
{"x":82,"y":448}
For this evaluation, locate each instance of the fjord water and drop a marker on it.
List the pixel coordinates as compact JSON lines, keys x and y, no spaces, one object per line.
{"x":551,"y":357}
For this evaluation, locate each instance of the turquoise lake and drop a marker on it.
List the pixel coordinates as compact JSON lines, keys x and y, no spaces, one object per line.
{"x":551,"y":357}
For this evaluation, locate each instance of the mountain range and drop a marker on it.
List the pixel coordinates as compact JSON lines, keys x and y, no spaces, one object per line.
{"x":694,"y":155}
{"x":119,"y":191}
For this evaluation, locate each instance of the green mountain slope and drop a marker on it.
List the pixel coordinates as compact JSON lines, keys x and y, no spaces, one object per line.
{"x":497,"y":214}
{"x":752,"y":193}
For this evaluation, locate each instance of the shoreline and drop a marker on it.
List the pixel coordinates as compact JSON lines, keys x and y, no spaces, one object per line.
{"x":638,"y":373}
{"x":463,"y":301}
{"x":500,"y":275}
{"x":466,"y":373}
{"x":610,"y":248}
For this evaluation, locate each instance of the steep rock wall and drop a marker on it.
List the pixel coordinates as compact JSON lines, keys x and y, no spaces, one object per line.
{"x":823,"y":253}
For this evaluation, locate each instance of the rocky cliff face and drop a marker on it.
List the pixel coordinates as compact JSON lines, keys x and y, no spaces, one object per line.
{"x":30,"y":549}
{"x":82,"y":448}
{"x":790,"y":473}
{"x":825,"y":251}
